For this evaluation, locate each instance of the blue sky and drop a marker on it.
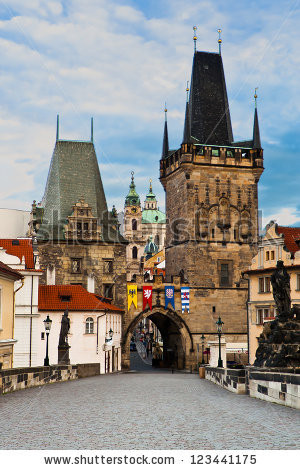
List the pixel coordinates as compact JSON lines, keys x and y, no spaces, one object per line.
{"x":119,"y":61}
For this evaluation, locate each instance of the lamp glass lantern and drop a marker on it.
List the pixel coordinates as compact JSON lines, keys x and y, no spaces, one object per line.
{"x":110,"y":333}
{"x":47,"y":324}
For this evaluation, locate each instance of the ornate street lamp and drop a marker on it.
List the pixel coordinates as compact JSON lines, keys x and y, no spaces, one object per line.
{"x":219,"y":324}
{"x":202,"y":340}
{"x":110,"y":333}
{"x":47,"y":324}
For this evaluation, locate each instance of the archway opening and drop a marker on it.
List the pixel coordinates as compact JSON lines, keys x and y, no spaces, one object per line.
{"x":156,"y":341}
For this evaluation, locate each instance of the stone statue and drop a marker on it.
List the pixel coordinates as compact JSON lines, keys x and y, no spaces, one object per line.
{"x":280,"y":281}
{"x":64,"y":329}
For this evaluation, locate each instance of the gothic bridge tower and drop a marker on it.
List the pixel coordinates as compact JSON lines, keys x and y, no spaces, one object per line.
{"x":211,"y":203}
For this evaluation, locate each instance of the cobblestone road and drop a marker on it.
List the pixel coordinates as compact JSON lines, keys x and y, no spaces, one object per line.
{"x":140,"y":410}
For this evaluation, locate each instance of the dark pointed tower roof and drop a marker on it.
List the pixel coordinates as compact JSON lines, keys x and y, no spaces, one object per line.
{"x":209,"y":110}
{"x":73,"y":174}
{"x":256,"y":133}
{"x":165,"y":148}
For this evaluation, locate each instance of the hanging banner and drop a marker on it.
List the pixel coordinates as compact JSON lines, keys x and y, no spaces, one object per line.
{"x":132,"y":295}
{"x":185,"y":299}
{"x":169,"y":296}
{"x":147,"y":297}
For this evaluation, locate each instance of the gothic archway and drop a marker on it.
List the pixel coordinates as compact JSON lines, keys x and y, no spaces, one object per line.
{"x":177,"y":339}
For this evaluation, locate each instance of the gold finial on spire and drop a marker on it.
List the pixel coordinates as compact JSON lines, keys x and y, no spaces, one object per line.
{"x":166,"y":110}
{"x":150,"y":185}
{"x":220,"y":40}
{"x":132,"y":176}
{"x":255,"y":95}
{"x":187,"y":91}
{"x":195,"y":38}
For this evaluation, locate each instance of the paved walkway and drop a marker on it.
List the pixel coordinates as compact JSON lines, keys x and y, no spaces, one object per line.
{"x":143,"y":411}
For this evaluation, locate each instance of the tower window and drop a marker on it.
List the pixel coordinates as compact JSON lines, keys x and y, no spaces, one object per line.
{"x":76,"y":265}
{"x":134,"y":224}
{"x":108,"y":291}
{"x":156,"y":240}
{"x":134,"y":252}
{"x":212,"y":233}
{"x":108,"y":266}
{"x":225,"y":272}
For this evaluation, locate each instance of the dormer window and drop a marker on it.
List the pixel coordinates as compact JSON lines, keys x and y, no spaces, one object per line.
{"x":65,"y":298}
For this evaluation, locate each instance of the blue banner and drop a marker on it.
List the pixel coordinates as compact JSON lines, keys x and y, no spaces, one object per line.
{"x":169,"y":296}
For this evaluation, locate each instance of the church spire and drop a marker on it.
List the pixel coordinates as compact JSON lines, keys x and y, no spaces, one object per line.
{"x":132,"y":198}
{"x":165,"y":148}
{"x":187,"y":127}
{"x":256,"y":133}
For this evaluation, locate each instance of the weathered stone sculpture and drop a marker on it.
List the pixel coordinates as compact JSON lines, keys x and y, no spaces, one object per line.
{"x":280,"y":281}
{"x":63,"y":346}
{"x":279,"y":343}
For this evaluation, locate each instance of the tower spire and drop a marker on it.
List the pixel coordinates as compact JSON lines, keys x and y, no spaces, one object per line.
{"x":92,"y":129}
{"x":187,"y":127}
{"x":219,"y":40}
{"x":256,"y":133}
{"x":195,"y":38}
{"x":165,"y":148}
{"x":57,"y":127}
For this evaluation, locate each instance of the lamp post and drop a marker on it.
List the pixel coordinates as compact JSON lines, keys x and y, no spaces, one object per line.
{"x":47,"y":324}
{"x":202,"y":340}
{"x":219,"y":324}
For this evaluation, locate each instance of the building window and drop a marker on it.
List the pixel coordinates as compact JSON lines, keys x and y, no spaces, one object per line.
{"x":272,"y":255}
{"x":134,"y":224}
{"x":76,"y":265}
{"x":108,"y":266}
{"x":298,"y":282}
{"x":212,"y":233}
{"x":264,"y":285}
{"x":89,"y":326}
{"x":156,"y":240}
{"x":263,"y":314}
{"x":108,"y":291}
{"x":134,"y":252}
{"x":267,"y":255}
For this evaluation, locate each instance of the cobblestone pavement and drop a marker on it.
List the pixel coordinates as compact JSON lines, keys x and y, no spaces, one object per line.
{"x":140,"y":410}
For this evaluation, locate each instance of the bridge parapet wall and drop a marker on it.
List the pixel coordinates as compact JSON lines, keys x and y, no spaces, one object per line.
{"x":12,"y":380}
{"x":280,"y":386}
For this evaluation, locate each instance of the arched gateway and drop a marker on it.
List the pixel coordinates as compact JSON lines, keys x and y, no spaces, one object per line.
{"x":178,"y":347}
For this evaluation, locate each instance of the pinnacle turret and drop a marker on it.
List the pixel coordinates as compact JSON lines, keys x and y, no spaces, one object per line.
{"x":165,"y":148}
{"x":256,"y":133}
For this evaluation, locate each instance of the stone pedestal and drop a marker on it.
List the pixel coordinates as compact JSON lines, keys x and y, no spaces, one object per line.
{"x":279,"y":343}
{"x":214,"y":353}
{"x":63,"y":354}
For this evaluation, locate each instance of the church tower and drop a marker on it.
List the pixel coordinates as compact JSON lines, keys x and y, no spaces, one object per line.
{"x":133,"y":230}
{"x":211,"y":201}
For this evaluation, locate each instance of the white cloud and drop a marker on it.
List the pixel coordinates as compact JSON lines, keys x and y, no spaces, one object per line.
{"x":285,"y":216}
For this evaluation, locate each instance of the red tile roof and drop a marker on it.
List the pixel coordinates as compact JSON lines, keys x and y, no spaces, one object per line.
{"x":291,"y":236}
{"x":9,"y":271}
{"x":24,"y":248}
{"x":50,"y":298}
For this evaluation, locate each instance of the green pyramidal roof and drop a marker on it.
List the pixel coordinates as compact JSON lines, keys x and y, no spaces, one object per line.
{"x":132,"y":198}
{"x":73,"y":174}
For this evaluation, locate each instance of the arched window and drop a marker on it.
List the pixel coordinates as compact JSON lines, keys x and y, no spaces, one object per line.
{"x":156,"y":240}
{"x":134,"y":224}
{"x":134,"y":252}
{"x":89,"y":325}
